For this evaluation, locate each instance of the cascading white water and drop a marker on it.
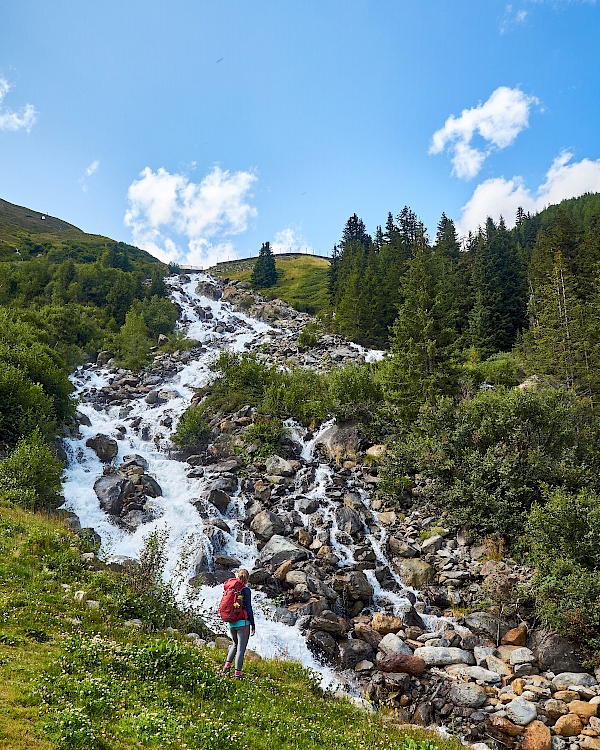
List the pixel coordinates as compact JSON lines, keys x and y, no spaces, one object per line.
{"x":174,"y":511}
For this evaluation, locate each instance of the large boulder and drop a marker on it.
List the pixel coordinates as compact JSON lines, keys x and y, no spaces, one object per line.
{"x":553,"y":652}
{"x":279,"y":467}
{"x":415,"y":572}
{"x":150,"y":486}
{"x":111,"y":491}
{"x":340,"y":441}
{"x":219,"y":499}
{"x":266,"y":524}
{"x":385,"y":624}
{"x":349,"y":521}
{"x":279,"y":549}
{"x":391,"y":644}
{"x":103,"y":446}
{"x":209,"y":290}
{"x":353,"y":584}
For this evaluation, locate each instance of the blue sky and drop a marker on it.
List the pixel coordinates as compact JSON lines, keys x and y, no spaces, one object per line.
{"x":199,"y":129}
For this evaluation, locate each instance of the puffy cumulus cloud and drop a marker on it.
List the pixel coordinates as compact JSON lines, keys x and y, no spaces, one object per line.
{"x":498,"y":121}
{"x":289,"y":240}
{"x":164,"y":209}
{"x":501,"y":197}
{"x":9,"y":120}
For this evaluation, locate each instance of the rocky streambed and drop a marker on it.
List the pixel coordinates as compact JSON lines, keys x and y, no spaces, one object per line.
{"x":388,"y":603}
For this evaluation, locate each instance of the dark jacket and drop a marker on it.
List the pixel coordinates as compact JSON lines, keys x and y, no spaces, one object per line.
{"x":248,"y":605}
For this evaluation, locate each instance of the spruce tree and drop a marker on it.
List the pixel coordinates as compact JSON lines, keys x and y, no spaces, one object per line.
{"x":264,"y":273}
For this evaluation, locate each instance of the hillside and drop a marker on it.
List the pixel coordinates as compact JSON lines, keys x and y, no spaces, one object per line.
{"x":34,"y":234}
{"x":302,"y":281}
{"x":75,"y":672}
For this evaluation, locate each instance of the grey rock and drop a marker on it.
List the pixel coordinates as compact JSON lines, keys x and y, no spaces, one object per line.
{"x":441,"y":657}
{"x":392,"y":644}
{"x":219,"y":499}
{"x":349,"y":521}
{"x":570,"y":679}
{"x":307,"y":505}
{"x":133,"y":459}
{"x":415,"y":572}
{"x":103,"y":446}
{"x":279,"y":549}
{"x":474,"y":673}
{"x":351,"y":652}
{"x":520,"y":711}
{"x":553,"y":652}
{"x":150,"y":486}
{"x":354,"y":585}
{"x":111,"y":491}
{"x":468,"y":695}
{"x":266,"y":524}
{"x":279,"y":467}
{"x":521,"y":656}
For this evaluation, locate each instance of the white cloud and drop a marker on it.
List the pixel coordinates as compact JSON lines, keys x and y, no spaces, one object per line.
{"x":92,"y":168}
{"x":165,"y":208}
{"x":289,"y":240}
{"x":501,"y":197}
{"x":9,"y":120}
{"x":498,"y":121}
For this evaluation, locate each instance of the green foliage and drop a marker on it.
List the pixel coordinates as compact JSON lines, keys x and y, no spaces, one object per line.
{"x":493,"y":455}
{"x":309,"y":336}
{"x":30,"y":475}
{"x":192,"y":429}
{"x":264,"y":273}
{"x":159,"y":315}
{"x":355,"y":392}
{"x":266,"y":435}
{"x":131,"y":343}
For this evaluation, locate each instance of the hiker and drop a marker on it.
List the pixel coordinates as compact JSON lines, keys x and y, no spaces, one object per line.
{"x":236,"y":610}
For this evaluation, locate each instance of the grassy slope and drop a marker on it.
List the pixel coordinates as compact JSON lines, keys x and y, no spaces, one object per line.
{"x":302,"y":281}
{"x":18,"y":223}
{"x":99,"y":685}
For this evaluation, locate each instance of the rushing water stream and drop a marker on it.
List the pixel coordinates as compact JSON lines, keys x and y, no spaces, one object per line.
{"x":174,"y":511}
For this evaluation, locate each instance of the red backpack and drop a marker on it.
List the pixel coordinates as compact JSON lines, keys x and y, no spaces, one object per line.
{"x":231,"y":606}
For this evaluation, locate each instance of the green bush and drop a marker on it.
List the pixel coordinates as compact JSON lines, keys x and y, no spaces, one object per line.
{"x":159,"y":314}
{"x":192,"y":429}
{"x":355,"y":392}
{"x":309,"y":336}
{"x":299,"y":393}
{"x":30,"y":475}
{"x":131,"y":344}
{"x":266,"y":434}
{"x":493,"y":455}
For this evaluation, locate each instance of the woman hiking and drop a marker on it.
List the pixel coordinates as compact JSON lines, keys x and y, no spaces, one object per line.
{"x":236,"y":610}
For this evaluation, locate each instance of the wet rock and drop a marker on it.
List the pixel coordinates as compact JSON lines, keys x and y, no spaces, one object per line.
{"x":367,"y":633}
{"x":279,"y":550}
{"x":327,"y":625}
{"x":351,"y":652}
{"x":323,"y":642}
{"x":349,"y":521}
{"x":133,"y":459}
{"x":307,"y":505}
{"x":397,"y":681}
{"x":150,"y":486}
{"x":415,"y":572}
{"x":266,"y":524}
{"x":354,"y":585}
{"x":219,"y":499}
{"x":111,"y":491}
{"x":103,"y":446}
{"x":340,"y":442}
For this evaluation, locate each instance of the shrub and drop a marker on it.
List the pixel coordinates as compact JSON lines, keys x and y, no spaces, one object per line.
{"x":493,"y":455}
{"x":30,"y":475}
{"x":267,"y":434}
{"x":192,"y":428}
{"x":309,"y":336}
{"x":355,"y":392}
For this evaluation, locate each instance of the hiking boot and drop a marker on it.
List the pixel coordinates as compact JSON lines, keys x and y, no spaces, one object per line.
{"x":237,"y":677}
{"x":226,"y":671}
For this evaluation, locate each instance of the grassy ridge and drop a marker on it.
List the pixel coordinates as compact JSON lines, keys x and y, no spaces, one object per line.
{"x":78,"y":677}
{"x":302,"y":281}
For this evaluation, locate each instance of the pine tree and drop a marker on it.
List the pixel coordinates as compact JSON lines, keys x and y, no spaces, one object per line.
{"x":264,"y":273}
